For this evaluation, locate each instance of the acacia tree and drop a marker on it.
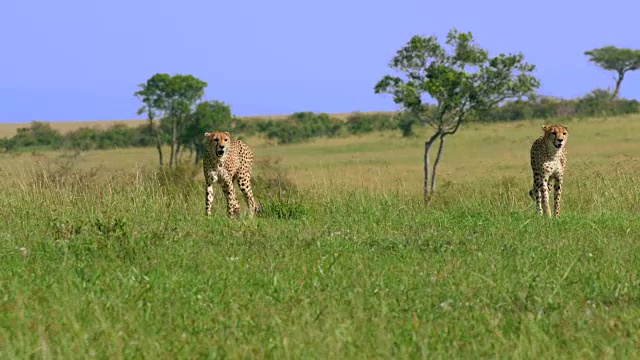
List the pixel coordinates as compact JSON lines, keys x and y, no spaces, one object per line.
{"x":152,"y":97}
{"x":463,"y":81}
{"x":182,"y":93}
{"x":208,"y":116}
{"x":620,"y":60}
{"x":173,"y":97}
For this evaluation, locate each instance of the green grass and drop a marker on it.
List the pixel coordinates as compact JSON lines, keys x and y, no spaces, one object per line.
{"x":114,"y":259}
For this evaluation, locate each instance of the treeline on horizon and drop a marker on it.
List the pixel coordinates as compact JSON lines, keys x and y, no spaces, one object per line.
{"x":302,"y":126}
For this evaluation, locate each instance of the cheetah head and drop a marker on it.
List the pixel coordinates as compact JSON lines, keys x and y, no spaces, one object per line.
{"x":220,"y":142}
{"x":556,"y":134}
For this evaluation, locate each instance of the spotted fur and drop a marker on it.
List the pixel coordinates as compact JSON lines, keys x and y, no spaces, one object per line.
{"x":224,"y":161}
{"x":548,"y":161}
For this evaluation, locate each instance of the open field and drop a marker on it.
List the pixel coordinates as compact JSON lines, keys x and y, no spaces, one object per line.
{"x":103,"y":255}
{"x":8,"y":130}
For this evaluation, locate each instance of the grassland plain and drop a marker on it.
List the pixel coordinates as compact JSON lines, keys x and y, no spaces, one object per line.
{"x":103,"y":255}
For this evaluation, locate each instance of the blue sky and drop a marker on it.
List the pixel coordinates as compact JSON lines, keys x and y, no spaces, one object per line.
{"x":83,"y":59}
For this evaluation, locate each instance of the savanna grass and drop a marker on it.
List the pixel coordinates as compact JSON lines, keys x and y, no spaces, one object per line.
{"x":344,"y":262}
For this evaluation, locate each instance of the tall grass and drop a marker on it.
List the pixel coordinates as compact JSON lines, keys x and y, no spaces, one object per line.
{"x":113,"y":261}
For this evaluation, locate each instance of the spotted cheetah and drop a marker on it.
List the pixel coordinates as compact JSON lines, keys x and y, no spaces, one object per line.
{"x":224,"y":161}
{"x":548,"y":161}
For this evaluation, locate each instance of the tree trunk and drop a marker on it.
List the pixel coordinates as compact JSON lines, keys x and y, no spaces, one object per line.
{"x":158,"y":142}
{"x":198,"y":156}
{"x":199,"y":151}
{"x":616,"y":92}
{"x":159,"y":147}
{"x":435,"y":163}
{"x":174,"y":131}
{"x":178,"y":153}
{"x":427,"y":150}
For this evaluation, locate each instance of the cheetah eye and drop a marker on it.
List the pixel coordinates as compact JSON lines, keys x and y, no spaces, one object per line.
{"x":564,"y":133}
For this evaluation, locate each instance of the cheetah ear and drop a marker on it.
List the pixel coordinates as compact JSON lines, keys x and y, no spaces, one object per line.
{"x":545,"y":127}
{"x":207,"y":134}
{"x":226,"y":133}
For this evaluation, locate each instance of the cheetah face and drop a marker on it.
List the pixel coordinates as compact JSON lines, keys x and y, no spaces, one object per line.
{"x":219,"y":140}
{"x":556,"y":134}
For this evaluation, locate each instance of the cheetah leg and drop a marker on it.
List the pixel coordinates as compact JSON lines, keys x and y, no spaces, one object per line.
{"x":545,"y":196}
{"x":536,"y":194}
{"x":244,"y":182}
{"x":532,"y":192}
{"x":233,"y":207}
{"x":208,"y":197}
{"x":557,"y":194}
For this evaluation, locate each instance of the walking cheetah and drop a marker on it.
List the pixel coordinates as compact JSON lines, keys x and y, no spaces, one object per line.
{"x":548,"y":161}
{"x":225,"y":161}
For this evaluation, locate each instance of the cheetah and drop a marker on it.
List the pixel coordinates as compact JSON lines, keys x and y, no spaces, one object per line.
{"x":224,"y":161}
{"x":548,"y":161}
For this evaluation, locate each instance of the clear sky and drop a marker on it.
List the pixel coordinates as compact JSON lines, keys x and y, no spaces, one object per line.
{"x":83,"y":59}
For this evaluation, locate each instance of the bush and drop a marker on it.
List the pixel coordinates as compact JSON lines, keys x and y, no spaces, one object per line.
{"x":286,"y":131}
{"x":359,"y":123}
{"x":405,"y":121}
{"x":600,"y":102}
{"x":37,"y":134}
{"x":247,"y":128}
{"x":301,"y":126}
{"x":6,"y":144}
{"x":83,"y":138}
{"x":143,"y":136}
